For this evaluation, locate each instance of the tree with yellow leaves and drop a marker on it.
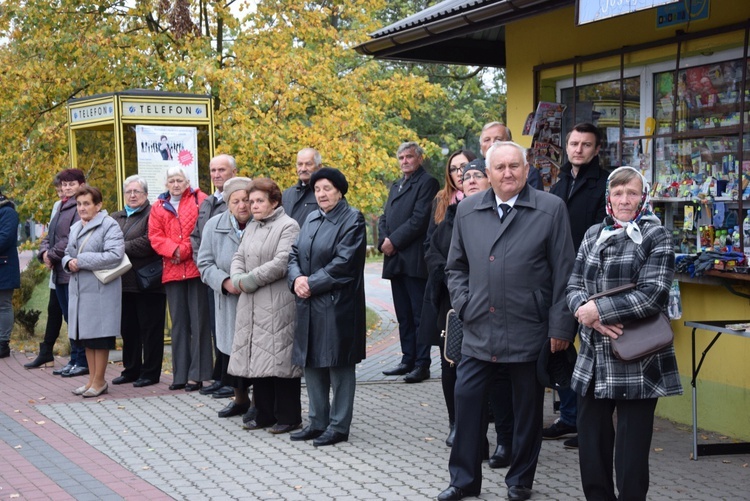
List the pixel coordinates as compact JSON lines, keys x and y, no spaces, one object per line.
{"x":284,"y":78}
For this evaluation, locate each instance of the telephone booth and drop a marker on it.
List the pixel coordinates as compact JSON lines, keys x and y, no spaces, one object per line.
{"x":113,"y":136}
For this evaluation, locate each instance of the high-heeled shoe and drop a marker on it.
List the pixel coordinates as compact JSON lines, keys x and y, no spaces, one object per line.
{"x":91,"y":392}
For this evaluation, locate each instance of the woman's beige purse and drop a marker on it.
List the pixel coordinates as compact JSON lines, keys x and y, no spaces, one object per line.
{"x":108,"y":275}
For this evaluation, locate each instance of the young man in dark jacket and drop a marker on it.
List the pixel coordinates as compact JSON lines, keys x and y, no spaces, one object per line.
{"x":582,"y":185}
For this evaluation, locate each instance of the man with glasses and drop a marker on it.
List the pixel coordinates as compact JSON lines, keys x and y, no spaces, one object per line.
{"x":223,"y":168}
{"x":402,"y":230}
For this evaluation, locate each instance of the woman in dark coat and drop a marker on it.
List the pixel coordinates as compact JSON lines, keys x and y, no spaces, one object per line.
{"x":143,"y":311}
{"x":10,"y":276}
{"x":630,"y":246}
{"x":326,"y":274}
{"x":437,"y":301}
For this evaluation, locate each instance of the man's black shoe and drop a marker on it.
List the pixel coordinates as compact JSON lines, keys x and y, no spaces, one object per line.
{"x":63,"y":370}
{"x":307,"y":433}
{"x":76,"y":371}
{"x":208,"y":390}
{"x":454,"y":493}
{"x":140,"y":383}
{"x":330,"y":437}
{"x":558,"y":429}
{"x":223,"y":392}
{"x":419,"y":374}
{"x":234,"y":409}
{"x":399,"y":370}
{"x":501,"y":457}
{"x":518,"y":493}
{"x":122,"y":380}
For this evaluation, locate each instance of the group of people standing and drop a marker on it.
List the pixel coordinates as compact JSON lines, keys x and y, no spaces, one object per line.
{"x":278,"y":278}
{"x":281,"y":295}
{"x":518,"y":264}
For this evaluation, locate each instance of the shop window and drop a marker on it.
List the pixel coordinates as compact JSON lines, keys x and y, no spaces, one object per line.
{"x":599,"y":103}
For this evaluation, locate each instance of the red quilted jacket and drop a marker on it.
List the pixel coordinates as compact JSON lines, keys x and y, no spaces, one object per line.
{"x":169,"y":229}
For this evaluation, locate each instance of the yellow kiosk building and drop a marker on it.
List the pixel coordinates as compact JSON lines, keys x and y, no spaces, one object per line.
{"x":668,"y":85}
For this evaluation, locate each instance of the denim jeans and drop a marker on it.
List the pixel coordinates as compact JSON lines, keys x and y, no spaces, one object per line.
{"x":77,"y":351}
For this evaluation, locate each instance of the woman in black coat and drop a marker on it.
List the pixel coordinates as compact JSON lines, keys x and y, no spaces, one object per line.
{"x":326,"y":274}
{"x":437,"y":301}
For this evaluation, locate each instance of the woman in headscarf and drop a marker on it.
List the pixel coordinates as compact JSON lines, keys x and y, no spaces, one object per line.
{"x":326,"y":273}
{"x":630,"y":246}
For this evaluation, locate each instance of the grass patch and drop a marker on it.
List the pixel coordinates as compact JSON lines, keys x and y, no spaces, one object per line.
{"x":372,"y":319}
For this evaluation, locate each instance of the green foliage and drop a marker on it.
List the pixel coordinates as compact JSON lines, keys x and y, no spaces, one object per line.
{"x":34,"y":274}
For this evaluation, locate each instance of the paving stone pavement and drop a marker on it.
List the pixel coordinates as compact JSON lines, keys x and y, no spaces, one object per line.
{"x":151,"y":443}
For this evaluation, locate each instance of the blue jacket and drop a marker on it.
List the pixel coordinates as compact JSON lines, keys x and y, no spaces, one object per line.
{"x":10,"y":273}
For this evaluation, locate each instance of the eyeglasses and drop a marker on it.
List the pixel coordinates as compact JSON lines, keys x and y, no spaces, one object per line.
{"x":476,"y":176}
{"x":134,"y":192}
{"x":454,"y":169}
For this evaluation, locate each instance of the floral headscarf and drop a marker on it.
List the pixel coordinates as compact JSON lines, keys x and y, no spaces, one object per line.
{"x":643,"y":213}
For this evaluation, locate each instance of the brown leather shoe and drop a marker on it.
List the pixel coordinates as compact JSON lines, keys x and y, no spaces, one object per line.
{"x":278,"y":429}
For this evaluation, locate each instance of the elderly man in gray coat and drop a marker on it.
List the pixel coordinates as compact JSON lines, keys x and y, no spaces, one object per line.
{"x":510,"y":258}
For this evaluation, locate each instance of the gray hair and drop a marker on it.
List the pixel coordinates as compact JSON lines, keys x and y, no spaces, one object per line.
{"x":135,"y":178}
{"x":177,"y":171}
{"x":410,"y":145}
{"x":489,"y":125}
{"x":499,"y":144}
{"x":317,"y":159}
{"x":229,"y":158}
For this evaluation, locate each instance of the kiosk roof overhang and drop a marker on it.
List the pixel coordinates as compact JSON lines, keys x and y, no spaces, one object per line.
{"x":455,"y":32}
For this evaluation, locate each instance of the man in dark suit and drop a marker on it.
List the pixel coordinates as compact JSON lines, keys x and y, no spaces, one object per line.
{"x":299,"y":200}
{"x":222,"y":168}
{"x":582,"y":185}
{"x":402,"y":229}
{"x":510,"y":258}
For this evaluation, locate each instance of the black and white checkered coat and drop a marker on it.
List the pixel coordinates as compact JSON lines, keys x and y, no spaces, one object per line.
{"x":619,"y":261}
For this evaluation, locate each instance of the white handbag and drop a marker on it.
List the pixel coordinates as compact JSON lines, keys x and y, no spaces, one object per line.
{"x":108,"y":275}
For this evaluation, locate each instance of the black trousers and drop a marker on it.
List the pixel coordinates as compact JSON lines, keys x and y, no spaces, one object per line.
{"x":474,"y":377}
{"x":628,"y":444}
{"x":219,"y":370}
{"x":142,"y":329}
{"x":501,"y":404}
{"x":54,"y":323}
{"x":448,"y":380}
{"x":277,"y":400}
{"x":408,"y":296}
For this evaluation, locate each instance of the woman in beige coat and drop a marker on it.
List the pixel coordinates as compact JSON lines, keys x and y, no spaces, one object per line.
{"x":264,"y":329}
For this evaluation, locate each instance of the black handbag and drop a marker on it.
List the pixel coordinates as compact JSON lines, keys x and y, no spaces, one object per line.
{"x":454,"y":338}
{"x":149,"y":277}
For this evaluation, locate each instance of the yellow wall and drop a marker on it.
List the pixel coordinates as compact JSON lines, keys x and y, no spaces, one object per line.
{"x":554,"y":37}
{"x":724,"y":384}
{"x":724,"y":380}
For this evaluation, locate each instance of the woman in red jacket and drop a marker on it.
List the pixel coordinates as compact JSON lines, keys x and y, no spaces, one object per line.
{"x":172,"y":219}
